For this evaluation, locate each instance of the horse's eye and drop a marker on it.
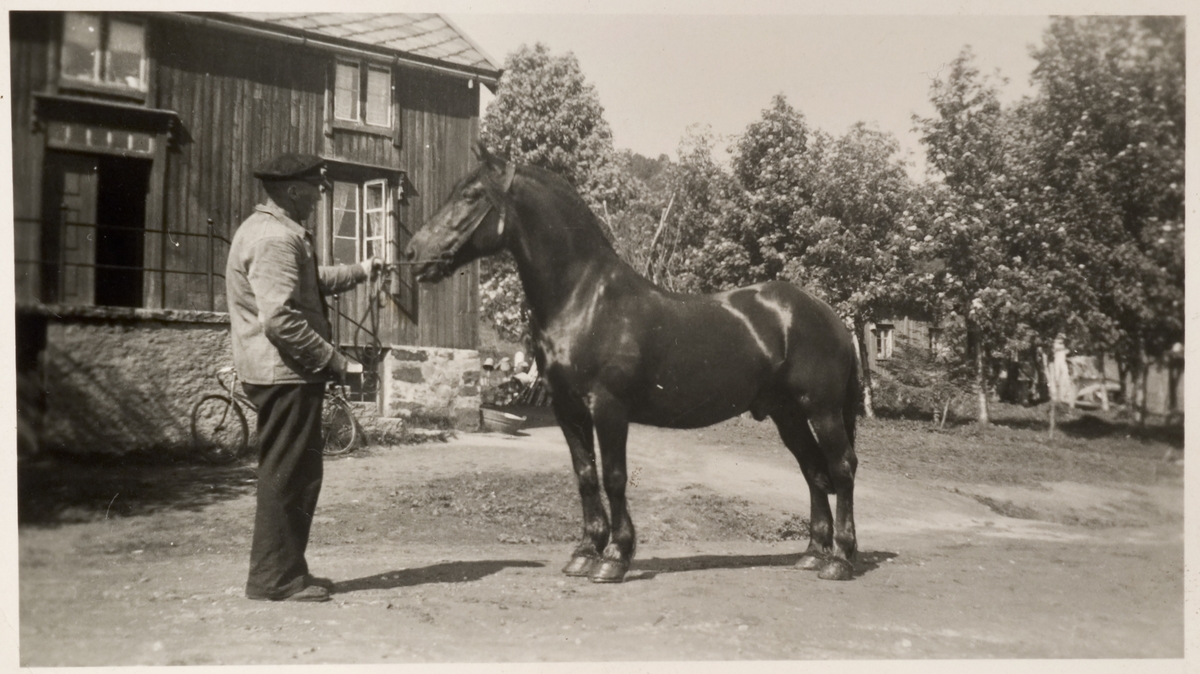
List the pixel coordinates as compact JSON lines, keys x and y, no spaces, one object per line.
{"x":473,"y":193}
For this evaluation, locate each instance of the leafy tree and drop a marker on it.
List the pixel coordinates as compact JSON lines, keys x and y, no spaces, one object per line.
{"x":546,"y":114}
{"x":760,"y":208}
{"x":859,"y":258}
{"x":965,"y":143}
{"x":1109,"y":144}
{"x":1010,"y":276}
{"x":702,"y":195}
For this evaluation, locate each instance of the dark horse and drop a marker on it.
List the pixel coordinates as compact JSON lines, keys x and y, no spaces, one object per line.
{"x":614,"y":349}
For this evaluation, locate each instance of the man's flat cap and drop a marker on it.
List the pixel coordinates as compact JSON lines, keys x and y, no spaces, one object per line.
{"x":292,"y":166}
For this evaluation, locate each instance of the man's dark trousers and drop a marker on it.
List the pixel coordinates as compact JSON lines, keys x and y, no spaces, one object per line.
{"x":289,"y":480}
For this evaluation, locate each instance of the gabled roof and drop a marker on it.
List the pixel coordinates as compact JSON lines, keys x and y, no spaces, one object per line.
{"x":431,"y":36}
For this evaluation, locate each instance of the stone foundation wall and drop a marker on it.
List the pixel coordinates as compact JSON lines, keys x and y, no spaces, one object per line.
{"x":121,"y":385}
{"x":432,"y":385}
{"x":114,"y":381}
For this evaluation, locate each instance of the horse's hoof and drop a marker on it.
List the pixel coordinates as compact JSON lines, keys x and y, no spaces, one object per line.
{"x":581,"y":566}
{"x":836,"y":569}
{"x":610,"y":571}
{"x":810,"y":562}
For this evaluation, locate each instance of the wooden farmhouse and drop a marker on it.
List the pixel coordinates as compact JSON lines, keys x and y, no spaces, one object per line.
{"x":135,"y":137}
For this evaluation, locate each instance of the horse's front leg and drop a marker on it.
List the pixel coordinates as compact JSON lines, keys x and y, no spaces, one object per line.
{"x":612,"y":430}
{"x":576,"y":423}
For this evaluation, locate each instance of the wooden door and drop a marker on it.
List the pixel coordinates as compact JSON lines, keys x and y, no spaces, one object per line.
{"x":71,"y":182}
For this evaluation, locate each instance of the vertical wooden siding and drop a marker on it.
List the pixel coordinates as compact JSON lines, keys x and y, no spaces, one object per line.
{"x":29,"y":37}
{"x":241,"y":101}
{"x":440,"y":118}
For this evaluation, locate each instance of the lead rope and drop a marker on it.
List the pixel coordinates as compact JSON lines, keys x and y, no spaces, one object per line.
{"x":372,"y":352}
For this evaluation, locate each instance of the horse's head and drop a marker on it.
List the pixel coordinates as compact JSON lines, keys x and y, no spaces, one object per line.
{"x":470,"y":225}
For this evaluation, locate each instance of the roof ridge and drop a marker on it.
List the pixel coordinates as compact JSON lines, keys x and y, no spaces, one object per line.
{"x":427,"y":34}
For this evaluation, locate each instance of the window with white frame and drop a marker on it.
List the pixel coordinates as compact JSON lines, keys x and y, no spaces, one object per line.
{"x":362,"y":93}
{"x":360,"y":221}
{"x":104,"y":50}
{"x":884,"y":340}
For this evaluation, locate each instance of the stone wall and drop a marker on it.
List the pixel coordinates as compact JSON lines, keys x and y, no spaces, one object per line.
{"x":432,"y":385}
{"x":114,"y":381}
{"x":121,"y":383}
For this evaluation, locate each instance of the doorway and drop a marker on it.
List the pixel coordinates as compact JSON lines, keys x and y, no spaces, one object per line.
{"x":93,"y":239}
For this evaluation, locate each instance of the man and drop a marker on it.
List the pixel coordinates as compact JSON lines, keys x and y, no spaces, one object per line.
{"x":280,"y":333}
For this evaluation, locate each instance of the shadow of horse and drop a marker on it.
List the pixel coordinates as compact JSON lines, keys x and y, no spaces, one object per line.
{"x":649,"y":568}
{"x":446,"y":572}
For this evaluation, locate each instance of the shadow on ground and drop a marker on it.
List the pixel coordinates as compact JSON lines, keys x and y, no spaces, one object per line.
{"x":647,"y":569}
{"x":1081,"y":426}
{"x":446,"y":572}
{"x":59,"y":489}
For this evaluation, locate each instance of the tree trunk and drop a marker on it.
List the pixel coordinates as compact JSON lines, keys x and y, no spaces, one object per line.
{"x":1174,"y":373}
{"x":1103,"y":382}
{"x":864,"y":368}
{"x":654,"y":271}
{"x":1052,"y":385}
{"x":1122,"y":375}
{"x":975,"y":348}
{"x":1142,"y":393}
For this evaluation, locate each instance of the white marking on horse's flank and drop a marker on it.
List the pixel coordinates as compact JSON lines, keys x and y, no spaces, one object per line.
{"x":762,"y":345}
{"x":785,"y":318}
{"x":813,"y":429}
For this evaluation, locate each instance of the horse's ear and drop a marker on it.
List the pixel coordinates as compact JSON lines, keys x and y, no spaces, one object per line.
{"x":481,"y":152}
{"x":510,"y":171}
{"x":494,"y":163}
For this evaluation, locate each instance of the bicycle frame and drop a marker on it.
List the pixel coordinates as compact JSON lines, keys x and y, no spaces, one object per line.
{"x":232,"y":389}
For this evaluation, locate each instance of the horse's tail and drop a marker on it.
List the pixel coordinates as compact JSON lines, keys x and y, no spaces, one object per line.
{"x":853,"y":402}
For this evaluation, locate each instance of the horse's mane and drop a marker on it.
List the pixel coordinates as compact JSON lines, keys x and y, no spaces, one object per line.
{"x":580,"y":217}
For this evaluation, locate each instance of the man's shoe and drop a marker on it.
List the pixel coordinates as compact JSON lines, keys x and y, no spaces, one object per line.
{"x":320,"y":582}
{"x":309,"y":593}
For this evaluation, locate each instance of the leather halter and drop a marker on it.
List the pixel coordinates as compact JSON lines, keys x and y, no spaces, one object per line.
{"x":469,"y":231}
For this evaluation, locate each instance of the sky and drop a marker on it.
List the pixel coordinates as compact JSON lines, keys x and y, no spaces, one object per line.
{"x":658,"y":74}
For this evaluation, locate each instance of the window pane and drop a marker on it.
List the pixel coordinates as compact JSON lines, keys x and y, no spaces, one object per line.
{"x":375,"y":196}
{"x":81,"y":46}
{"x":379,"y":96}
{"x":374,"y":227}
{"x":345,"y":196}
{"x":126,"y":49}
{"x":346,"y":88}
{"x":345,"y":223}
{"x":343,"y":251}
{"x":375,"y":218}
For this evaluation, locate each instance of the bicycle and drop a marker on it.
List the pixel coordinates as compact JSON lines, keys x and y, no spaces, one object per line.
{"x":221,"y":435}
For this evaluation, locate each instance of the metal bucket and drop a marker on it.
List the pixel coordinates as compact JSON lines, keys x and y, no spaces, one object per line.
{"x":498,"y":420}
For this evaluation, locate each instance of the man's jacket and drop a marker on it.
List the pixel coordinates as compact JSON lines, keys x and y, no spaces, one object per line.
{"x":278,"y":318}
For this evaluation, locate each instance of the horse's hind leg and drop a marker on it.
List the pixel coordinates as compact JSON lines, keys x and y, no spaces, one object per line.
{"x":836,"y":445}
{"x":799,"y":440}
{"x":576,"y":423}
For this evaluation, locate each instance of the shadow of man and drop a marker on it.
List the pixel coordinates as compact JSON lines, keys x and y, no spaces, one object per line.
{"x":446,"y":572}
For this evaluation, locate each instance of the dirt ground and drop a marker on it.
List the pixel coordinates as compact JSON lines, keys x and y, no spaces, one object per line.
{"x":450,"y":552}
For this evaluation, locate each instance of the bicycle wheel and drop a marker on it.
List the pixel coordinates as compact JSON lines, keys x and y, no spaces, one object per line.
{"x":339,"y":430}
{"x":219,"y":430}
